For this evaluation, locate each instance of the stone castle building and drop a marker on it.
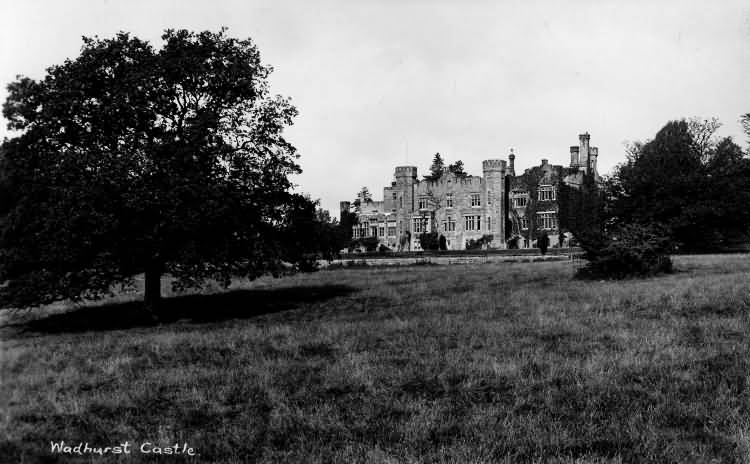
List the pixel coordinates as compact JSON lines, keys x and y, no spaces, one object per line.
{"x":512,"y":209}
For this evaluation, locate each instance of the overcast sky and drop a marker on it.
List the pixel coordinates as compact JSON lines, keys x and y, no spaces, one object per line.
{"x":387,"y":83}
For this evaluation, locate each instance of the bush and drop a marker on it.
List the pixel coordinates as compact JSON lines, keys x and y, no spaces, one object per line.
{"x":630,"y":251}
{"x":370,"y":244}
{"x":479,"y":243}
{"x":429,"y":241}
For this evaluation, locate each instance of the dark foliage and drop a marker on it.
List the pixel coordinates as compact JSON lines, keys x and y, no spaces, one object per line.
{"x":630,"y":251}
{"x":457,"y":169}
{"x":443,"y":243}
{"x":479,"y":243}
{"x":132,"y":159}
{"x":697,"y":190}
{"x":370,"y":244}
{"x":429,"y":241}
{"x":543,"y":242}
{"x":436,"y":169}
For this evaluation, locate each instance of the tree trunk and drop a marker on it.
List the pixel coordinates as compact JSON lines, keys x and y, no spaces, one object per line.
{"x":153,"y":287}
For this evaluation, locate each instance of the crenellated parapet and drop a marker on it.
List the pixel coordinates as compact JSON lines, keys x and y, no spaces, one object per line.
{"x":406,"y":171}
{"x":493,"y":165}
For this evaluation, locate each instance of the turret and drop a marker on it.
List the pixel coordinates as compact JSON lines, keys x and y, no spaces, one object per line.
{"x":406,"y":180}
{"x":494,"y":171}
{"x":511,"y":163}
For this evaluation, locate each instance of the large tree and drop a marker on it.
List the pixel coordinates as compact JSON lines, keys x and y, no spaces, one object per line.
{"x":686,"y":181}
{"x":130,"y":159}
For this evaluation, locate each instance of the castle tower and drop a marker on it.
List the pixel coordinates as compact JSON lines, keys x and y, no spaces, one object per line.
{"x":512,"y":163}
{"x":494,"y":171}
{"x":406,"y":181}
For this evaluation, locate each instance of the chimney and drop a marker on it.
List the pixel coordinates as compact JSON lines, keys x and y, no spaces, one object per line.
{"x":512,"y":162}
{"x":594,"y":158}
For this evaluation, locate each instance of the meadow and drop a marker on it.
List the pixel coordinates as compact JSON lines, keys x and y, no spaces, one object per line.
{"x":481,"y":363}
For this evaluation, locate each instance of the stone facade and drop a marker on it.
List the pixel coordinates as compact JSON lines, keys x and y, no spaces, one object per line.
{"x":514,"y":210}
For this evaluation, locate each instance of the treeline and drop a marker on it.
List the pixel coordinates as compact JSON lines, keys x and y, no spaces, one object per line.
{"x":684,"y":190}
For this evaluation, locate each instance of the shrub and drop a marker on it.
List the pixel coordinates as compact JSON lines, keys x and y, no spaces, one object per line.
{"x":629,"y":251}
{"x":479,"y":243}
{"x":370,"y":244}
{"x":429,"y":241}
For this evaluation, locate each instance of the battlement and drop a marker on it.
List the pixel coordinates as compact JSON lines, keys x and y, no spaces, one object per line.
{"x":406,"y":171}
{"x":493,"y":165}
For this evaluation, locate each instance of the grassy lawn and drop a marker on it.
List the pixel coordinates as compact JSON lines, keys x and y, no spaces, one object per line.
{"x":468,"y":364}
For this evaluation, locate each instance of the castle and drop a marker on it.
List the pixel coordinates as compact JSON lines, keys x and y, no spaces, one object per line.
{"x":512,"y":209}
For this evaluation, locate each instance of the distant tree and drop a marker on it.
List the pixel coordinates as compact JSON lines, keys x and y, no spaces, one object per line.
{"x":457,"y":169}
{"x":135,"y":160}
{"x":745,"y":122}
{"x":363,"y":196}
{"x":436,"y":169}
{"x":702,"y":132}
{"x":346,"y":228}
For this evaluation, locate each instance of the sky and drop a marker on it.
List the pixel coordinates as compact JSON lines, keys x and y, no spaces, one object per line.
{"x":380,"y":84}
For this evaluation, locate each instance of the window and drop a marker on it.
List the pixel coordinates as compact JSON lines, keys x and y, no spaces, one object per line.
{"x":524,"y":222}
{"x":381,"y":231}
{"x":472,"y":222}
{"x":449,"y":200}
{"x":420,"y":225}
{"x":546,"y":192}
{"x":526,"y":243}
{"x":449,"y":225}
{"x":394,"y":196}
{"x":489,"y":197}
{"x":489,"y":224}
{"x":401,"y":202}
{"x":547,"y":220}
{"x":391,"y":231}
{"x":374,"y":231}
{"x":422,"y":203}
{"x":519,"y":200}
{"x":476,"y":199}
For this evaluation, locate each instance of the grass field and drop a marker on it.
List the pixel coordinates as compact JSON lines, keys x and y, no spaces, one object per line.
{"x":466,"y":364}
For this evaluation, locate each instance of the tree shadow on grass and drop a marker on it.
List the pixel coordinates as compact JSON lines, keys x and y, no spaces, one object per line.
{"x":237,"y":304}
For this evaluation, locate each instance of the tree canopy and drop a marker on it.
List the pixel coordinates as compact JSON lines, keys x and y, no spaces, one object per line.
{"x":437,"y":168}
{"x":131,"y":159}
{"x":457,"y":169}
{"x":685,"y":180}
